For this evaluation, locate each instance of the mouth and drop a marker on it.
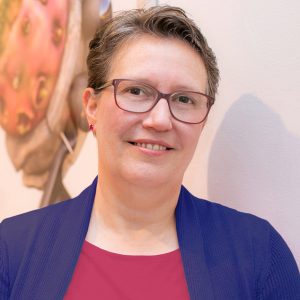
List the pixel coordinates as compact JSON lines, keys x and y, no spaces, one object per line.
{"x":151,"y":146}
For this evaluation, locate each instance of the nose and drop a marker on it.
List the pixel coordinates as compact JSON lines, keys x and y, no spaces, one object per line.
{"x":159,"y":117}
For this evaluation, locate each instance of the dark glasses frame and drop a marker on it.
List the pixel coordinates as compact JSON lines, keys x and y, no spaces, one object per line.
{"x":115,"y":83}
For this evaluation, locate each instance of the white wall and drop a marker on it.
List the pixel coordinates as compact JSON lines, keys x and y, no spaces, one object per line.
{"x":249,"y":154}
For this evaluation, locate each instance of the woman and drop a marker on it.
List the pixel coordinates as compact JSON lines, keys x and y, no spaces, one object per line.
{"x":136,"y":233}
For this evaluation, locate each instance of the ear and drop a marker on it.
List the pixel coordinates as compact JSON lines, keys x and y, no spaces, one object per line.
{"x":89,"y":103}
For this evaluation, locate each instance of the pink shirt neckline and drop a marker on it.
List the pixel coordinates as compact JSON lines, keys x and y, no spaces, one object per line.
{"x":95,"y":248}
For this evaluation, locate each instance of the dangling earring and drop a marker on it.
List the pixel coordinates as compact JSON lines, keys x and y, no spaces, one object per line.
{"x":91,"y":127}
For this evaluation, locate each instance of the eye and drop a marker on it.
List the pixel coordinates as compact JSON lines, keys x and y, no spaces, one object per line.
{"x":184,"y":99}
{"x":135,"y":91}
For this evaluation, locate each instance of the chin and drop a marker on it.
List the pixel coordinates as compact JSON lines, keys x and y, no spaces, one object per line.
{"x":149,"y":176}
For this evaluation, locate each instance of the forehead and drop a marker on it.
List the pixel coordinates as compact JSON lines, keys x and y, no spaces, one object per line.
{"x":165,"y":62}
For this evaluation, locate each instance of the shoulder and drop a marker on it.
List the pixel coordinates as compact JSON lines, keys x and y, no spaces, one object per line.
{"x":22,"y":225}
{"x":250,"y":242}
{"x":215,"y":215}
{"x":18,"y":234}
{"x":225,"y":230}
{"x":244,"y":232}
{"x":28,"y":239}
{"x":21,"y":231}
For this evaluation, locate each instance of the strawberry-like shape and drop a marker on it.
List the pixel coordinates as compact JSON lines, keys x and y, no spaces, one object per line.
{"x":32,"y":39}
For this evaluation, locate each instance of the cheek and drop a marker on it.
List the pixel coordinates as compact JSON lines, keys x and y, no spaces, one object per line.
{"x":112,"y":123}
{"x":191,"y":137}
{"x":106,"y":116}
{"x":192,"y":133}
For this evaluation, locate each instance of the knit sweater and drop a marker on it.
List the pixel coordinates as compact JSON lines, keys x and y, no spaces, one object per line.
{"x":226,"y":254}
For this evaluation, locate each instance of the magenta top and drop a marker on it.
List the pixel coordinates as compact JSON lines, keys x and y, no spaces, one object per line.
{"x":100,"y":274}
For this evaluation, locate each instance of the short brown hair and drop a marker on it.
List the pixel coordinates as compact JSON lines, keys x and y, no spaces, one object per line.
{"x":161,"y":21}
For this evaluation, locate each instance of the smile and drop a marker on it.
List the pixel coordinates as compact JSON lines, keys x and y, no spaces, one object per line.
{"x":154,"y":147}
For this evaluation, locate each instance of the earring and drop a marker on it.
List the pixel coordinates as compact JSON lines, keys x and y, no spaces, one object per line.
{"x":91,"y":127}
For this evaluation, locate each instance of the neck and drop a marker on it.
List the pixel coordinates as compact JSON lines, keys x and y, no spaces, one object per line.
{"x":130,"y":218}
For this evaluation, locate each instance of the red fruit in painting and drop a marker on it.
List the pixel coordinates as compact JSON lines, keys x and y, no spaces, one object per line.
{"x":32,"y":39}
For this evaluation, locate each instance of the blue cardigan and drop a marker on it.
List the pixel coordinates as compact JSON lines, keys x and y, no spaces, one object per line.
{"x":226,"y":254}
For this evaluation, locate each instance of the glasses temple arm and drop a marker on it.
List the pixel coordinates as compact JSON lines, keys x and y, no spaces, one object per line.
{"x":105,"y":85}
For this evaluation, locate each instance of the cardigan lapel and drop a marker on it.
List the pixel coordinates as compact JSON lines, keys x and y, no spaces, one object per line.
{"x":190,"y":241}
{"x":69,"y":234}
{"x":67,"y":246}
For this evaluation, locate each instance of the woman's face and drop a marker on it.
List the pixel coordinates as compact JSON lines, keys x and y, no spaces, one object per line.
{"x":168,"y":65}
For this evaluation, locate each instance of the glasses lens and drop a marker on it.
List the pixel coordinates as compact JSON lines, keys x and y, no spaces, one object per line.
{"x":135,"y":96}
{"x":189,"y":107}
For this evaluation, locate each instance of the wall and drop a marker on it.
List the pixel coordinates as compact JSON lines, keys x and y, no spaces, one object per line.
{"x":248,"y":156}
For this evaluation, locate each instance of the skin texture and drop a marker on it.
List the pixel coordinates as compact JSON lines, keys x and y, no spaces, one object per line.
{"x":138,"y":188}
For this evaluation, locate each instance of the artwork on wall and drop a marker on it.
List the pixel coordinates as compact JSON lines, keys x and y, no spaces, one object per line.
{"x":43,"y":46}
{"x":146,"y":3}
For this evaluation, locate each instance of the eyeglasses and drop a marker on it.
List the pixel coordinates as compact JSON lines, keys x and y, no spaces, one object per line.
{"x":138,"y":97}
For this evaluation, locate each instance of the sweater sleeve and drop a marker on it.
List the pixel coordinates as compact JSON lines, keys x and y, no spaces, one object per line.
{"x":281,"y":280}
{"x":4,"y":279}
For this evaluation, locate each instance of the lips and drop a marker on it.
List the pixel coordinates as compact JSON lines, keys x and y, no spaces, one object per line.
{"x":154,"y":146}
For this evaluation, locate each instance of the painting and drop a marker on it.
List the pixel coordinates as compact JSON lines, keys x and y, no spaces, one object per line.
{"x":43,"y":47}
